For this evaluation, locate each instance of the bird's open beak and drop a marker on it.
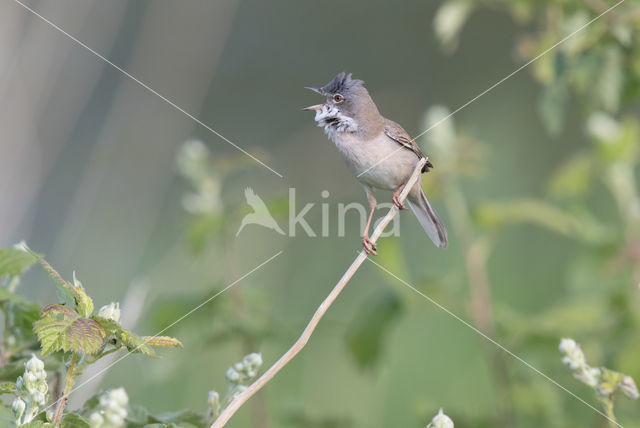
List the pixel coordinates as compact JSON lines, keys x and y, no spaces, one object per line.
{"x":315,"y":107}
{"x":314,"y":89}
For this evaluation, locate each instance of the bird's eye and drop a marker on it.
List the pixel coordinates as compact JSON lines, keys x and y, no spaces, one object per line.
{"x":338,"y":98}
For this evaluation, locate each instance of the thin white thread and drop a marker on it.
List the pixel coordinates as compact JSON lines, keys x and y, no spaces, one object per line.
{"x":497,"y":84}
{"x":75,"y":388}
{"x":147,"y":87}
{"x":493,"y":341}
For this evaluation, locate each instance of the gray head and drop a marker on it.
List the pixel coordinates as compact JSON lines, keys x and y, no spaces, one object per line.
{"x":348,"y":106}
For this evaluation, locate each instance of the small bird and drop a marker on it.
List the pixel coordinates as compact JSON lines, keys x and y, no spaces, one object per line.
{"x":377,"y":150}
{"x":260,"y":214}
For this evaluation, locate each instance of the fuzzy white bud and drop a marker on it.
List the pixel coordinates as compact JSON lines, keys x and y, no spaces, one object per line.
{"x":441,"y":421}
{"x":110,"y":311}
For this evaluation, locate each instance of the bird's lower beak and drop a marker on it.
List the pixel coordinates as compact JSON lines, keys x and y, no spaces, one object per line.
{"x":314,"y":89}
{"x":315,"y":107}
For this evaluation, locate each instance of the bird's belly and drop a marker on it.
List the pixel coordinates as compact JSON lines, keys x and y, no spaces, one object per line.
{"x":378,"y":162}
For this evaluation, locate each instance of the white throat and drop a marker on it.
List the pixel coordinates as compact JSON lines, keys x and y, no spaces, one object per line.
{"x":333,"y":121}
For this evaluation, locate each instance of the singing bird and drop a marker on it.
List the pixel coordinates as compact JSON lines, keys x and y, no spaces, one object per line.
{"x":377,"y":150}
{"x":260,"y":214}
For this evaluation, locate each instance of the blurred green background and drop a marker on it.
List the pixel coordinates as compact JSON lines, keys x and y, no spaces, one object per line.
{"x":536,"y":182}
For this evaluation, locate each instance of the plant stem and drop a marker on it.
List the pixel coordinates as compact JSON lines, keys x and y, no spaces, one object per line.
{"x":608,"y":408}
{"x":240,"y":399}
{"x":62,"y":402}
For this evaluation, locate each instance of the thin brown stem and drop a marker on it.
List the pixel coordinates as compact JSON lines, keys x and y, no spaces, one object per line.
{"x":240,"y":399}
{"x":65,"y":394}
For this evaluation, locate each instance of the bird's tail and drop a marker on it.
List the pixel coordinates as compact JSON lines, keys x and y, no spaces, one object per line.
{"x":428,"y":219}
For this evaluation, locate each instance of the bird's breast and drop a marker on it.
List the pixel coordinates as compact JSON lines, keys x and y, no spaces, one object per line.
{"x":377,"y":162}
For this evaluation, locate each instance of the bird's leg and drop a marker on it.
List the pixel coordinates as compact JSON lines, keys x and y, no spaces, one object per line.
{"x":369,"y":246}
{"x":396,"y":200}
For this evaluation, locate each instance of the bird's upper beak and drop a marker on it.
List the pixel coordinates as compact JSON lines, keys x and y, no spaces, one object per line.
{"x":317,"y":91}
{"x":314,"y":89}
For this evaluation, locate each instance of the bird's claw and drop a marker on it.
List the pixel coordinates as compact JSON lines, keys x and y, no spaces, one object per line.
{"x":369,"y":246}
{"x":397,"y":203}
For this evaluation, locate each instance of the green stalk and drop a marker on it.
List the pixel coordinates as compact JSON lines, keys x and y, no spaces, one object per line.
{"x":62,"y":402}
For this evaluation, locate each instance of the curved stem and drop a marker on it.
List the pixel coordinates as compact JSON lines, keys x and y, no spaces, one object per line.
{"x":65,"y":394}
{"x":240,"y":399}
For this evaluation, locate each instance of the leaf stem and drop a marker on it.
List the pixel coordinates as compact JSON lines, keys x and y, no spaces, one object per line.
{"x":62,"y":402}
{"x":241,"y":398}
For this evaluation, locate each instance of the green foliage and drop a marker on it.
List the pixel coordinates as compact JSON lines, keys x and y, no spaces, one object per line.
{"x":14,"y":261}
{"x":73,"y":420}
{"x":60,"y":328}
{"x":69,"y":327}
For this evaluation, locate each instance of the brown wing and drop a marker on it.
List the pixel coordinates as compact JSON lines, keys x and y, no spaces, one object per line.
{"x":400,"y":136}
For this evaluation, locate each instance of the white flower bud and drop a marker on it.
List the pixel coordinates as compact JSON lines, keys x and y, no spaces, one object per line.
{"x":17,"y":408}
{"x":96,"y":420}
{"x":441,"y":421}
{"x":213,"y":399}
{"x":34,"y":364}
{"x":629,"y":388}
{"x":253,"y":360}
{"x":574,"y":357}
{"x":110,"y":311}
{"x":232,"y":375}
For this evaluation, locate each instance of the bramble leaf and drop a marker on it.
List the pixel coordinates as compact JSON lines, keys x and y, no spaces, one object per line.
{"x":14,"y":261}
{"x":62,"y":328}
{"x":164,"y":341}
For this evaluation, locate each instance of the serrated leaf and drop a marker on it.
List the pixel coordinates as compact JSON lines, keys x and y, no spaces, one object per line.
{"x":73,"y":295}
{"x":7,"y":387}
{"x":73,"y":420}
{"x":125,"y":338}
{"x":14,"y":261}
{"x":62,"y":328}
{"x":165,"y":341}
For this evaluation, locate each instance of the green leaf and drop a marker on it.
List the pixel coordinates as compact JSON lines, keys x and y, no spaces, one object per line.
{"x":164,"y":341}
{"x":72,"y":420}
{"x":72,"y":295}
{"x":14,"y":261}
{"x":7,"y":388}
{"x":181,"y":417}
{"x":62,"y":328}
{"x":123,"y":337}
{"x":366,"y":334}
{"x":36,"y":424}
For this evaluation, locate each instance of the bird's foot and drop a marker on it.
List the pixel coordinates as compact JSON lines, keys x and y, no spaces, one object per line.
{"x":397,"y":203}
{"x":369,"y":246}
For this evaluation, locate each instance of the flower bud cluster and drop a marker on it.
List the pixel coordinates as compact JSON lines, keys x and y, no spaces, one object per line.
{"x":440,"y":421}
{"x":238,"y":376}
{"x":244,"y":371}
{"x":31,"y":392}
{"x":604,"y":381}
{"x":112,"y":411}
